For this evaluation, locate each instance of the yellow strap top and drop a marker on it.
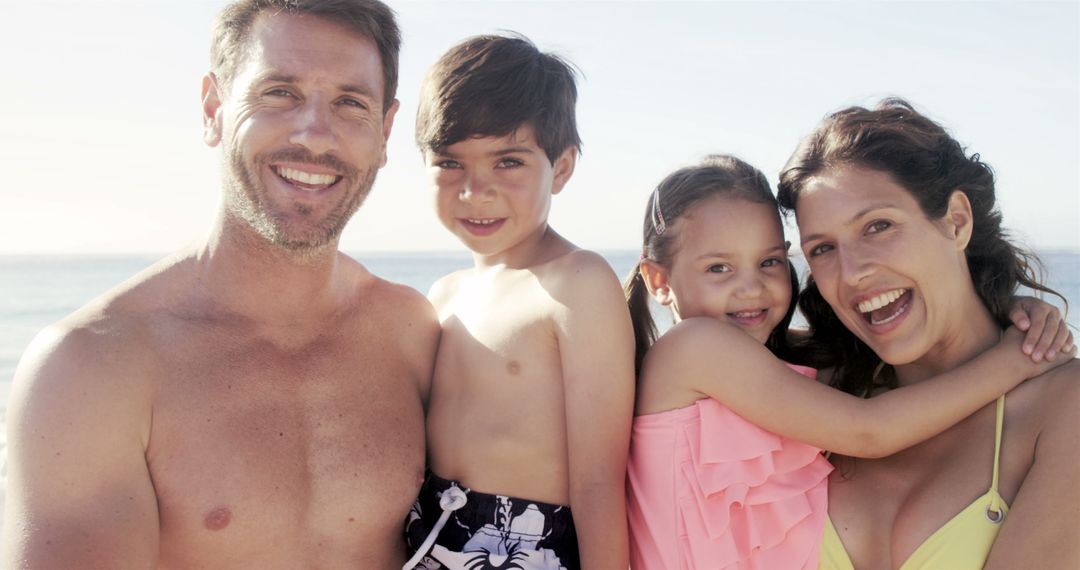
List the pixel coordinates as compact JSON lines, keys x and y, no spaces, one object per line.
{"x":962,"y":543}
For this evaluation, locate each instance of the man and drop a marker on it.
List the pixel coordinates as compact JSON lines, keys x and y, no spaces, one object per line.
{"x":256,"y":401}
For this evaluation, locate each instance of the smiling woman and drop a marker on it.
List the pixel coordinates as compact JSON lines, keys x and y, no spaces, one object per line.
{"x":911,"y":269}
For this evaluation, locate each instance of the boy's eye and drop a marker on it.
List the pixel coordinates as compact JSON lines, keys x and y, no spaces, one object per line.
{"x":772,"y":262}
{"x":447,"y":164}
{"x":508,"y":163}
{"x":877,"y":226}
{"x":820,"y":249}
{"x":718,"y":268}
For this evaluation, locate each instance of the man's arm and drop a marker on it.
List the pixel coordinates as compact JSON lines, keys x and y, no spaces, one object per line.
{"x":79,"y":493}
{"x":596,"y":347}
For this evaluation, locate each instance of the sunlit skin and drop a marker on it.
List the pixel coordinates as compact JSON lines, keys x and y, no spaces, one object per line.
{"x":255,"y":400}
{"x":864,"y":234}
{"x":731,"y":264}
{"x":304,"y":131}
{"x":533,"y":384}
{"x":494,"y":194}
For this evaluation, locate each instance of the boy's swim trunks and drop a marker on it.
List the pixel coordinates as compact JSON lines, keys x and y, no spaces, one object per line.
{"x":489,"y":531}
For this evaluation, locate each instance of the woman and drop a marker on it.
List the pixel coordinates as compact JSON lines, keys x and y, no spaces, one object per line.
{"x":910,"y":266}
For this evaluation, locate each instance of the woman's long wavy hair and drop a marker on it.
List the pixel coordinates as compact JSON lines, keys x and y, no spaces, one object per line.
{"x":675,"y":196}
{"x":927,"y":162}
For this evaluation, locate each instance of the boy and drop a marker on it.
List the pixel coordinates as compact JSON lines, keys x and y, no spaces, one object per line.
{"x":532,"y":398}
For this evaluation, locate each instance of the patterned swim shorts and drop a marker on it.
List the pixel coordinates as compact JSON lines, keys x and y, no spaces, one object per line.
{"x":489,"y":531}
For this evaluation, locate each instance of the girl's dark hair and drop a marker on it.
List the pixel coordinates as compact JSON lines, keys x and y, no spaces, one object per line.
{"x":717,"y":175}
{"x":927,"y":162}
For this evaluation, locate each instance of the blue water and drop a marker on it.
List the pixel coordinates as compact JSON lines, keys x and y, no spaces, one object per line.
{"x":37,"y":291}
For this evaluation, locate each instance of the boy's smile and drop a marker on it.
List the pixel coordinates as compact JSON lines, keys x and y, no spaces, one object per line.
{"x":494,"y":193}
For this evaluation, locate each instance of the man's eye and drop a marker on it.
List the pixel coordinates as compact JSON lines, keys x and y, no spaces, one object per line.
{"x":354,"y":103}
{"x":279,"y":93}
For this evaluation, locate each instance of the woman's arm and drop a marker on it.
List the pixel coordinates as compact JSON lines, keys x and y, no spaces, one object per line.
{"x":1040,"y":530}
{"x":722,"y":362}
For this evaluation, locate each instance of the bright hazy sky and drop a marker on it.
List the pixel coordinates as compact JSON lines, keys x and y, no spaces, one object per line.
{"x":100,"y":136}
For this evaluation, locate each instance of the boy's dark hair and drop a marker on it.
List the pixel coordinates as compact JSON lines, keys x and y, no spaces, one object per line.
{"x":676,"y":195}
{"x":368,"y":18}
{"x":923,"y":158}
{"x":489,"y":86}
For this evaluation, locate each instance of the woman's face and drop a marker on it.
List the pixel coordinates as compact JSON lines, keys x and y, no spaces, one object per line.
{"x":894,"y":277}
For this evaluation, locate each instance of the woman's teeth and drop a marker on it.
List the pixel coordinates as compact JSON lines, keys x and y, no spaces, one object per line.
{"x":880,"y":301}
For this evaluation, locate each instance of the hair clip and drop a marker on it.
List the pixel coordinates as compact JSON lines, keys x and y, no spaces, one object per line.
{"x":657,"y":215}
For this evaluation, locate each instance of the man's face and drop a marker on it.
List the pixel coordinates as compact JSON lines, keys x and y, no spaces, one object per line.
{"x":303,"y":129}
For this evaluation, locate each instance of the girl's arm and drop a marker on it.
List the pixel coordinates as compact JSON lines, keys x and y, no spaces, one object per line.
{"x":1047,"y":331}
{"x":720,"y":361}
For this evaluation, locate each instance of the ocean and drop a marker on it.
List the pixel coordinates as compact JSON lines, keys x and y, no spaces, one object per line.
{"x":38,"y":290}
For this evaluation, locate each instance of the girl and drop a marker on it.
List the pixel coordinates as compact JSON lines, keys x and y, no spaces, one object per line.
{"x":725,"y":468}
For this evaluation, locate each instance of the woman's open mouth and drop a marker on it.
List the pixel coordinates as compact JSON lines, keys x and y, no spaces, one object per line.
{"x":886,"y":307}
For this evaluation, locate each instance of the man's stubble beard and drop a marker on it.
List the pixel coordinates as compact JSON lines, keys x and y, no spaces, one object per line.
{"x":245,"y":199}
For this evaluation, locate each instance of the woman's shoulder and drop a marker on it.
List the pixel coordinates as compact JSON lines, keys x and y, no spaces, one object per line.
{"x":1049,"y":398}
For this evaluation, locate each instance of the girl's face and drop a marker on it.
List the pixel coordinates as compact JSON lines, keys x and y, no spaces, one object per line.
{"x":729,"y":263}
{"x":894,"y":277}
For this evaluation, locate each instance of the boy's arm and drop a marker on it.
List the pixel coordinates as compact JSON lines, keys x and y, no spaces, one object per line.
{"x":725,"y":363}
{"x":79,"y":493}
{"x":596,"y":347}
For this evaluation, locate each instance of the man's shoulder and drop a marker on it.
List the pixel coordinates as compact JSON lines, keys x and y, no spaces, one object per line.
{"x":405,"y":303}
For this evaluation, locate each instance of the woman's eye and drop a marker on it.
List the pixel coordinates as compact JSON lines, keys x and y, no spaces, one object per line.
{"x":820,"y":249}
{"x":718,"y":268}
{"x":877,"y":226}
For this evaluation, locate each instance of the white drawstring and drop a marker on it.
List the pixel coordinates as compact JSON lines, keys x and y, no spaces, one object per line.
{"x":451,"y":500}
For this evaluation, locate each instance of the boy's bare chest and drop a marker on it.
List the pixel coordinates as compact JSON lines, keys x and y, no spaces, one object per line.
{"x":258,"y":448}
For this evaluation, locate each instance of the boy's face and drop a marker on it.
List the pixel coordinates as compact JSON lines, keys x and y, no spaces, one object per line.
{"x":494,"y":193}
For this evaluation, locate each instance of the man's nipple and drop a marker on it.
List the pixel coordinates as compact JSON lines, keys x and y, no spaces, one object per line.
{"x":218,"y":518}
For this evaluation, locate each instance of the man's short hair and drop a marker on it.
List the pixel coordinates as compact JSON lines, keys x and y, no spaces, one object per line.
{"x":489,"y":86}
{"x":368,"y":18}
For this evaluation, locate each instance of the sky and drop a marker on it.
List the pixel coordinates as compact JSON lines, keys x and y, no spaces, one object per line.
{"x":100,"y":126}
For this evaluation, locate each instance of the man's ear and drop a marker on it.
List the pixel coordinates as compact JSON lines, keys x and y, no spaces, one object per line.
{"x":959,"y":219}
{"x":211,"y":107}
{"x":387,"y":126}
{"x":563,"y":169}
{"x":656,"y":281}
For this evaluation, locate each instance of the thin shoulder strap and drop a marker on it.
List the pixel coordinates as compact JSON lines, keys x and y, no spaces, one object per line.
{"x":994,"y":509}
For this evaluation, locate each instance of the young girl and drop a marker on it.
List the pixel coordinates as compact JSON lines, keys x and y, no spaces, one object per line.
{"x":725,"y":466}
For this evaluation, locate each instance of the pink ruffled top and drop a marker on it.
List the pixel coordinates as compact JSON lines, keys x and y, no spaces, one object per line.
{"x":708,"y":489}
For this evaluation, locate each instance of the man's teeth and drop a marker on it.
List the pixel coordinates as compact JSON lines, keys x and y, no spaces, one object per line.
{"x":307,"y":177}
{"x":880,"y":301}
{"x":482,"y":222}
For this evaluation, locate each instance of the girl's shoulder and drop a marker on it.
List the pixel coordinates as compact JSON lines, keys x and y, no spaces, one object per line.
{"x":702,"y":346}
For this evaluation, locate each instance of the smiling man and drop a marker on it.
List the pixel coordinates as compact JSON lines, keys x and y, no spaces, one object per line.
{"x":255,"y":401}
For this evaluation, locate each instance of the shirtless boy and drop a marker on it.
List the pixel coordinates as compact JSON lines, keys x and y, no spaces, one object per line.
{"x":533,"y":390}
{"x":255,"y":401}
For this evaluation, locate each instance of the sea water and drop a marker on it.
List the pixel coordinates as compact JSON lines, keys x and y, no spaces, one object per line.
{"x":36,"y":291}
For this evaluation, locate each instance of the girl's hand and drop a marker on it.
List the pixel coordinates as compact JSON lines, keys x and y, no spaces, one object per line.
{"x":1047,"y":333}
{"x":1012,"y":340}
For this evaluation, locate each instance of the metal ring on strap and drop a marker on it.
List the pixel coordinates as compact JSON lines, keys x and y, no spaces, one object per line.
{"x":994,"y":516}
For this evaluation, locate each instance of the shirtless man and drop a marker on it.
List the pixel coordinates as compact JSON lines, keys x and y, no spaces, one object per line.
{"x":256,"y":401}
